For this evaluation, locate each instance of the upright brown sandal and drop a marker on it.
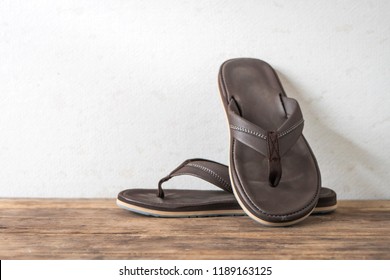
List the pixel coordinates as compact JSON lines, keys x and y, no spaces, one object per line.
{"x":199,"y":203}
{"x":274,"y":174}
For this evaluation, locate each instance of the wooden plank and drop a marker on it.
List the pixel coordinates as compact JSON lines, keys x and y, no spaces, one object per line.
{"x":98,"y":229}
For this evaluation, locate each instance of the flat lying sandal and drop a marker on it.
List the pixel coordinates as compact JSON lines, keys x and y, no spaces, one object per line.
{"x":199,"y":203}
{"x":274,"y":174}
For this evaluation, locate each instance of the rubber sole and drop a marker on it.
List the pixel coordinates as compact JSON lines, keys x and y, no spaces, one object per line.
{"x":195,"y":214}
{"x":176,"y":214}
{"x":324,"y":209}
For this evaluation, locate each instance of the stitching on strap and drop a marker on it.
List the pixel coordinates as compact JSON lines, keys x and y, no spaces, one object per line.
{"x":242,"y":129}
{"x":212,"y":173}
{"x":287,"y":131}
{"x":264,"y":137}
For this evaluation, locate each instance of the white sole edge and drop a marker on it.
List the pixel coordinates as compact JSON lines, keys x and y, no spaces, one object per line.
{"x":169,"y":214}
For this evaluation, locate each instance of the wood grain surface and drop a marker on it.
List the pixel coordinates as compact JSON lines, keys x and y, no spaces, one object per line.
{"x":98,"y":229}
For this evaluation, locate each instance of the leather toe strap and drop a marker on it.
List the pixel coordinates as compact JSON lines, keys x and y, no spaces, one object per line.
{"x":209,"y":171}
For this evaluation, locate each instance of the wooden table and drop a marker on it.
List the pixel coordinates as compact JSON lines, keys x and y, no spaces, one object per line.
{"x":98,"y":229}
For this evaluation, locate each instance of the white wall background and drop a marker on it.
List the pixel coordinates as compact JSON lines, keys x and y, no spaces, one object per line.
{"x":99,"y":96}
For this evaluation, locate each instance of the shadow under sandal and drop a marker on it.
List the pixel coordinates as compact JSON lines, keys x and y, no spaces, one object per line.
{"x":274,"y":174}
{"x":199,"y":203}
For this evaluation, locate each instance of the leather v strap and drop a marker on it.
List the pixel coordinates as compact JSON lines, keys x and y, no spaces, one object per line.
{"x":210,"y":171}
{"x":256,"y":137}
{"x":271,"y":144}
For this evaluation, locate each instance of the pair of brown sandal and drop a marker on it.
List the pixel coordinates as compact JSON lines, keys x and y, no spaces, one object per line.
{"x":273,"y":176}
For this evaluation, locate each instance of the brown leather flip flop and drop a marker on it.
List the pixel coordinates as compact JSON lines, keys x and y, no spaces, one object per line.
{"x":199,"y":203}
{"x":274,"y":174}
